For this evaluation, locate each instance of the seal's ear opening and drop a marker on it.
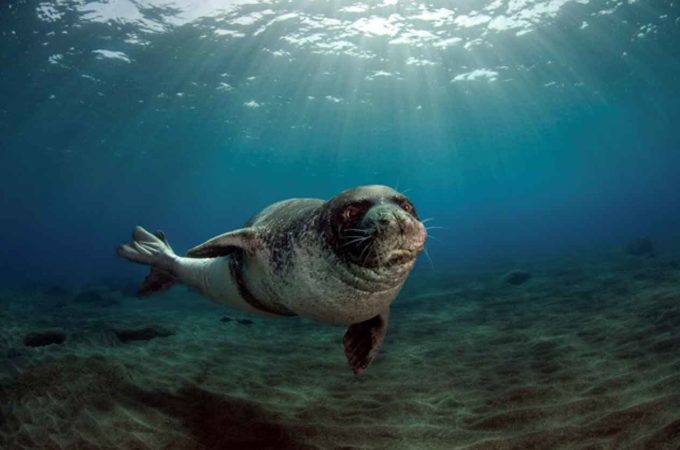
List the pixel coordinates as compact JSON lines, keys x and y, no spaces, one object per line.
{"x":245,"y":239}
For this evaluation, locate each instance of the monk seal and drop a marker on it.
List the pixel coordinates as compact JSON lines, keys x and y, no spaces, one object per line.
{"x":342,"y":261}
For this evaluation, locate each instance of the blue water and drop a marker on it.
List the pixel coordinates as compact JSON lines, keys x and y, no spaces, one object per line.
{"x":526,"y":129}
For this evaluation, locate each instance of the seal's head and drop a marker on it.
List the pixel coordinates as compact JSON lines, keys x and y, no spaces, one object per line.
{"x":374,"y":227}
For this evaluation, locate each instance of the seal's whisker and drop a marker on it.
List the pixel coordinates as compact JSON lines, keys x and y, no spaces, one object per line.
{"x":370,"y":246}
{"x":424,"y":221}
{"x":352,"y":236}
{"x":359,"y":230}
{"x":366,"y":248}
{"x":355,"y":241}
{"x":436,"y":228}
{"x":428,"y":257}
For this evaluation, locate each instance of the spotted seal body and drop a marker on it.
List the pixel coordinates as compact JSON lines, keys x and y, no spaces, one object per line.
{"x":342,"y":261}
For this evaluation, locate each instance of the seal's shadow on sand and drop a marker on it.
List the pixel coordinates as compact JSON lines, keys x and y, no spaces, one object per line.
{"x":218,"y":421}
{"x":91,"y":402}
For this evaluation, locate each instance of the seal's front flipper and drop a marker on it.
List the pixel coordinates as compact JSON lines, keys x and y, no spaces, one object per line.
{"x":245,"y":239}
{"x":363,"y":341}
{"x":153,"y":250}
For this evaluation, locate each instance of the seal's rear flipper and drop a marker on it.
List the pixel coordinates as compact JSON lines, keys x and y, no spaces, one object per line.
{"x":153,"y":250}
{"x":158,"y":280}
{"x":363,"y":341}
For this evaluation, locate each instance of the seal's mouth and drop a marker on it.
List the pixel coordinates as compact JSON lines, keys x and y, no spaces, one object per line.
{"x":400,"y":256}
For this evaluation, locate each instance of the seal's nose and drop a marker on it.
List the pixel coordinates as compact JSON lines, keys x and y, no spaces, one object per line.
{"x":388,"y":223}
{"x":385,"y":221}
{"x":411,"y":232}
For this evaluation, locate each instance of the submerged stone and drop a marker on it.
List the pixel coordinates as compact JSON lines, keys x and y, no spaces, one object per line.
{"x":517,"y":277}
{"x":43,"y":338}
{"x":142,"y":334}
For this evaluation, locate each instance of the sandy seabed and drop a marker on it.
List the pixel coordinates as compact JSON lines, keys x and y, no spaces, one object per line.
{"x":580,"y":357}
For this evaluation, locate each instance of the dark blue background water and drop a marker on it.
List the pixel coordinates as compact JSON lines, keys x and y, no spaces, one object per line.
{"x":545,"y":137}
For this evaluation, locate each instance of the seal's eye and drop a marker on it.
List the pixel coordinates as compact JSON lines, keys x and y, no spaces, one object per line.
{"x":351,"y":212}
{"x":355,"y":210}
{"x":407,"y":206}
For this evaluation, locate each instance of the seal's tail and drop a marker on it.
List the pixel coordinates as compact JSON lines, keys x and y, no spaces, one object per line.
{"x":152,"y":250}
